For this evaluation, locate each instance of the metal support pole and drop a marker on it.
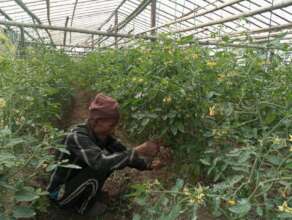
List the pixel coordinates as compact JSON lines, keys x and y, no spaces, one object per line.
{"x":65,"y":32}
{"x":71,"y":29}
{"x":72,"y":18}
{"x":92,"y":42}
{"x":116,"y":27}
{"x":153,"y":16}
{"x":22,"y":41}
{"x":48,"y":12}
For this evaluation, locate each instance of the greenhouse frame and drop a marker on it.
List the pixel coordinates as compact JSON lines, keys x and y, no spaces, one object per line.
{"x":146,"y":109}
{"x":82,"y":25}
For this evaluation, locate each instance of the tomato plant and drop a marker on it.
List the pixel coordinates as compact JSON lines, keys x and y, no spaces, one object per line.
{"x":225,"y":113}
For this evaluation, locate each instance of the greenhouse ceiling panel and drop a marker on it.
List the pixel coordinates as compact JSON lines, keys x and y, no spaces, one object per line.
{"x":92,"y":23}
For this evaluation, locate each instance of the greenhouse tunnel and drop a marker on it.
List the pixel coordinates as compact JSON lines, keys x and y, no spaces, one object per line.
{"x":208,"y":82}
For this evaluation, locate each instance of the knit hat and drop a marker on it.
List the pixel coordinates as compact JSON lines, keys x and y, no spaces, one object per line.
{"x":104,"y":107}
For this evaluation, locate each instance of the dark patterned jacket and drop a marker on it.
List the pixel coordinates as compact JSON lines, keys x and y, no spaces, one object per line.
{"x":87,"y":151}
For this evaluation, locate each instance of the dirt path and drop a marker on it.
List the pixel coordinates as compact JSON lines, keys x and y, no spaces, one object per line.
{"x":118,"y":183}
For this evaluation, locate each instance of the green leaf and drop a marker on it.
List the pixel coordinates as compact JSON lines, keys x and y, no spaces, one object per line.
{"x":4,"y":183}
{"x":180,"y":127}
{"x":228,"y":109}
{"x":242,"y":208}
{"x":145,"y":121}
{"x":288,"y":165}
{"x":164,"y":131}
{"x":2,"y":216}
{"x":260,"y":211}
{"x":141,"y":201}
{"x":174,"y":213}
{"x":51,"y":167}
{"x":15,"y":142}
{"x":205,"y":162}
{"x":173,"y":130}
{"x":136,"y":217}
{"x":63,"y":150}
{"x":274,"y":160}
{"x":270,"y":118}
{"x":23,"y":212}
{"x":178,"y":185}
{"x":225,"y":38}
{"x":285,"y":216}
{"x":25,"y":196}
{"x":186,"y":40}
{"x":165,"y":201}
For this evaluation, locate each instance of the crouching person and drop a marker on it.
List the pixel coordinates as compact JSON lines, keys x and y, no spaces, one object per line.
{"x":98,"y":153}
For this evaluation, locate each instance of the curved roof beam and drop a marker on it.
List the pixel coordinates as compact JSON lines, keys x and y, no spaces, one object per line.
{"x":130,"y":17}
{"x":33,"y":16}
{"x":235,"y":17}
{"x":112,"y":15}
{"x":190,"y":15}
{"x":10,"y":19}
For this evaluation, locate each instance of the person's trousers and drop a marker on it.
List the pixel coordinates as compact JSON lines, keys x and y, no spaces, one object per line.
{"x":82,"y":191}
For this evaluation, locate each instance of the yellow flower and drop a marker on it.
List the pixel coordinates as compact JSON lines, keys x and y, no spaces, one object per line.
{"x":34,"y":60}
{"x":1,"y":59}
{"x":285,"y":208}
{"x":164,"y":82}
{"x":277,"y":140}
{"x":134,"y":79}
{"x":281,"y":208}
{"x":290,"y":149}
{"x":264,"y":62}
{"x":290,"y":137}
{"x":211,"y":64}
{"x":221,"y":77}
{"x":200,"y":196}
{"x":167,"y":99}
{"x":2,"y":103}
{"x":29,"y":98}
{"x":284,"y":192}
{"x":168,"y":62}
{"x":231,"y":202}
{"x":197,"y":199}
{"x":186,"y":191}
{"x":140,"y":80}
{"x":212,"y":110}
{"x":195,"y":56}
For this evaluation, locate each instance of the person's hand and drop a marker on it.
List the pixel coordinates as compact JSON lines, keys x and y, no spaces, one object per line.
{"x":148,"y":149}
{"x":156,"y":164}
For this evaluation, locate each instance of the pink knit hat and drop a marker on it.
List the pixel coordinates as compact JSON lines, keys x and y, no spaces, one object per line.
{"x":103,"y":107}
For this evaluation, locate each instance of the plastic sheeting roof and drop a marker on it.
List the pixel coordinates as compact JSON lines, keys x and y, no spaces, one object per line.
{"x":204,"y":21}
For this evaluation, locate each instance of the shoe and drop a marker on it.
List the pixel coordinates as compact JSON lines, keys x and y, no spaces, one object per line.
{"x":103,"y":197}
{"x":97,"y":209}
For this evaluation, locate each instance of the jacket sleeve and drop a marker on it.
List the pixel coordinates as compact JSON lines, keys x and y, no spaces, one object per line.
{"x":138,"y":162}
{"x":87,"y":151}
{"x":135,"y":160}
{"x":115,"y":145}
